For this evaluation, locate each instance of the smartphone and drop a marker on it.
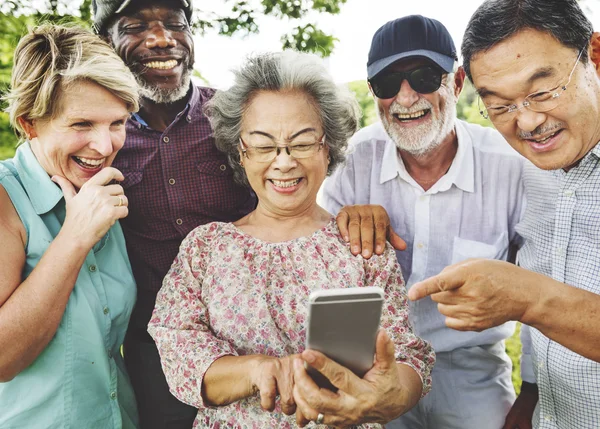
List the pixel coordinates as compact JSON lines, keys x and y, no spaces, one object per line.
{"x":343,"y":325}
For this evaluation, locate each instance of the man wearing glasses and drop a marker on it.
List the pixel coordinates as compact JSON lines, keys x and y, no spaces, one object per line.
{"x":537,"y":73}
{"x":453,"y":191}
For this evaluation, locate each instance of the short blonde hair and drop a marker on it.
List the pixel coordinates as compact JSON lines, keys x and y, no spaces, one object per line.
{"x":49,"y":59}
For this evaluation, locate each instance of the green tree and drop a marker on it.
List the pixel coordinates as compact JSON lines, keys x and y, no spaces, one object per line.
{"x":365,"y":101}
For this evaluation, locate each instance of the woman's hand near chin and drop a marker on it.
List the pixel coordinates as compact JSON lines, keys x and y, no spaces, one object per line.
{"x":95,"y":208}
{"x":273,"y":376}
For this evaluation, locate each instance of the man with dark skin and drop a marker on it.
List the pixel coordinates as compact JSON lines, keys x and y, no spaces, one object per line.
{"x":176,"y":179}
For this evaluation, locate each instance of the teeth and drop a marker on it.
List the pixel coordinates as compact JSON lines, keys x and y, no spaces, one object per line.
{"x":411,"y":115}
{"x":544,"y":139}
{"x":88,"y":162}
{"x":163,"y":65}
{"x":285,"y":184}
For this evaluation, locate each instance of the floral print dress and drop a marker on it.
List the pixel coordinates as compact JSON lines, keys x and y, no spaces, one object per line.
{"x":228,"y":293}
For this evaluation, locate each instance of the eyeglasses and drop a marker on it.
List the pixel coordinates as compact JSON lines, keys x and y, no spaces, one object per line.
{"x":424,"y":80}
{"x":267,"y":153}
{"x":541,"y":101}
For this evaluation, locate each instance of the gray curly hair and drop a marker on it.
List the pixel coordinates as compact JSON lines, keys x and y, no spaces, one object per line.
{"x":283,"y":71}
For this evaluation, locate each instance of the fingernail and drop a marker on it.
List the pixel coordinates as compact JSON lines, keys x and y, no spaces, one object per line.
{"x":366,"y":253}
{"x":346,"y":238}
{"x":379,"y":249}
{"x":355,"y":249}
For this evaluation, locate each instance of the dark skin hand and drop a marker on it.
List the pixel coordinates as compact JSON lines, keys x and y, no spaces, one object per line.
{"x":366,"y":228}
{"x":521,"y":413}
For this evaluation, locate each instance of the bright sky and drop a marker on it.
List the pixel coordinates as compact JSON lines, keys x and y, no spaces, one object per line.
{"x":354,"y":27}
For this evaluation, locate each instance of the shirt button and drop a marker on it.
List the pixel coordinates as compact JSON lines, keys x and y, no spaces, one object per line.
{"x":223,"y":167}
{"x":166,"y":139}
{"x":188,"y":118}
{"x":93,"y":268}
{"x":113,"y":395}
{"x":548,"y":417}
{"x":171,"y":181}
{"x":568,"y":193}
{"x":105,"y":310}
{"x":420,"y":245}
{"x":178,"y":221}
{"x":540,"y":364}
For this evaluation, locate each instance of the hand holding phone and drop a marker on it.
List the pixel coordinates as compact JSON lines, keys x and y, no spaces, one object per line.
{"x":343,"y":325}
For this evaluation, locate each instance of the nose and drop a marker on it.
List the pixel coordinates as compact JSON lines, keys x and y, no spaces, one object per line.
{"x":406,"y":96}
{"x":528,"y":120}
{"x":283,"y":161}
{"x":102,"y":142}
{"x":160,"y":37}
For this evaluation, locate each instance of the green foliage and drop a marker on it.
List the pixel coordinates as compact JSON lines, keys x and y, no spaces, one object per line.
{"x":309,"y":38}
{"x":468,"y":108}
{"x":365,"y":101}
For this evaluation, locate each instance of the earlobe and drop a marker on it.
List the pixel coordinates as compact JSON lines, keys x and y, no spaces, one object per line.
{"x":28,"y":127}
{"x":459,"y":81}
{"x":595,"y":51}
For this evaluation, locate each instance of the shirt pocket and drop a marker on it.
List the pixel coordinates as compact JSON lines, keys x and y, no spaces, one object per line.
{"x":215,"y":167}
{"x":132,"y":178}
{"x":464,"y":249}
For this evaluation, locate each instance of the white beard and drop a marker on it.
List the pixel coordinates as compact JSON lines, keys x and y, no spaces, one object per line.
{"x":422,"y":139}
{"x":165,"y":96}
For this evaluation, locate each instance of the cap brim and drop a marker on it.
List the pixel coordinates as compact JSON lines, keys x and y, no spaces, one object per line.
{"x":444,"y":61}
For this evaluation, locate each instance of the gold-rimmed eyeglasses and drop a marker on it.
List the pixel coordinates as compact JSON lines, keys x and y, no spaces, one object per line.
{"x":267,"y":153}
{"x":540,"y":101}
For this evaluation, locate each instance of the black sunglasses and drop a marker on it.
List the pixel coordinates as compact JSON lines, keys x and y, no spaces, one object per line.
{"x":424,"y":80}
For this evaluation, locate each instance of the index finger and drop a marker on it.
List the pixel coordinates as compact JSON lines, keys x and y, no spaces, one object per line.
{"x":105,"y":176}
{"x":444,"y":281}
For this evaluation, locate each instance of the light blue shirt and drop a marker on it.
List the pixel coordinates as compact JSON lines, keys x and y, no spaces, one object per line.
{"x":561,"y":228}
{"x":79,"y":380}
{"x":471,"y":212}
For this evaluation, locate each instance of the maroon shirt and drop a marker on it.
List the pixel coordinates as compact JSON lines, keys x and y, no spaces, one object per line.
{"x":175,"y":181}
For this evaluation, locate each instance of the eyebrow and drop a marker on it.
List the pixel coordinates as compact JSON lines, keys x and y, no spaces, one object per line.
{"x":539,"y":74}
{"x":292,"y":137}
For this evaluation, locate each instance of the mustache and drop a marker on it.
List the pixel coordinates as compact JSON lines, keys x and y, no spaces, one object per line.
{"x":542,"y":129}
{"x":397,"y":108}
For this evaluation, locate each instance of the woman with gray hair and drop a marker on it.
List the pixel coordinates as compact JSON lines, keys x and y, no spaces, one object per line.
{"x":229,"y":320}
{"x":66,"y":286}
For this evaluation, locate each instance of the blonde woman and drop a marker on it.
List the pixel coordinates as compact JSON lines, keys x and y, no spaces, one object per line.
{"x":66,"y":287}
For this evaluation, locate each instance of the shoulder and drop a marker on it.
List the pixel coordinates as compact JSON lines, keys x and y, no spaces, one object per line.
{"x":10,"y":221}
{"x":206,"y":93}
{"x":205,"y":235}
{"x":368,"y":143}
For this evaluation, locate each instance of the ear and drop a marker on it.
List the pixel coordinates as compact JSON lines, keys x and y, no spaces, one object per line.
{"x":28,"y":127}
{"x":370,"y":89}
{"x":595,"y":51}
{"x":459,"y":81}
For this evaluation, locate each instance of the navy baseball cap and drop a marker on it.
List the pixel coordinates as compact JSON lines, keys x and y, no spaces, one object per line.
{"x":410,"y":37}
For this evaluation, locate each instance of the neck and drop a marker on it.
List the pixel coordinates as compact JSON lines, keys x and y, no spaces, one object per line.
{"x":159,"y":116}
{"x":428,"y":168}
{"x":274,"y":226}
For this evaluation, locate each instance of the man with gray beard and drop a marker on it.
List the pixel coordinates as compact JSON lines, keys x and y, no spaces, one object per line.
{"x":453,"y":191}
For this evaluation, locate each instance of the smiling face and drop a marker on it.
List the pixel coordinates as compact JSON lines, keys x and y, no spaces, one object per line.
{"x":156,"y":43}
{"x":418,"y":123}
{"x":285,"y":186}
{"x":529,"y":62}
{"x":83,"y":137}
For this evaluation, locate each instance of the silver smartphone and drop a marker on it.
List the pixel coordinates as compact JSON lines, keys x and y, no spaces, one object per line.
{"x":343,"y":325}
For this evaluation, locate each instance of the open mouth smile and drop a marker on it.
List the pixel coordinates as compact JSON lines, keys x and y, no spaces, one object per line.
{"x":285,"y":183}
{"x":406,"y":117}
{"x":88,"y":163}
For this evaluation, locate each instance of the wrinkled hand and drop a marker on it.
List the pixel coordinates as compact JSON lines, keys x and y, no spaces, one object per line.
{"x":478,"y":294}
{"x":374,"y":398}
{"x":361,"y":224}
{"x":520,"y":415}
{"x":95,"y":208}
{"x":275,"y":376}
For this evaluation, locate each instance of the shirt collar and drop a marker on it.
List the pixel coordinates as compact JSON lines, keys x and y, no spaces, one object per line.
{"x":43,"y":193}
{"x":191,"y":104}
{"x":461,"y":172}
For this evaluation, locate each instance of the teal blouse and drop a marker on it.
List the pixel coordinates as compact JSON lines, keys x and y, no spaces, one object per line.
{"x":79,"y":380}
